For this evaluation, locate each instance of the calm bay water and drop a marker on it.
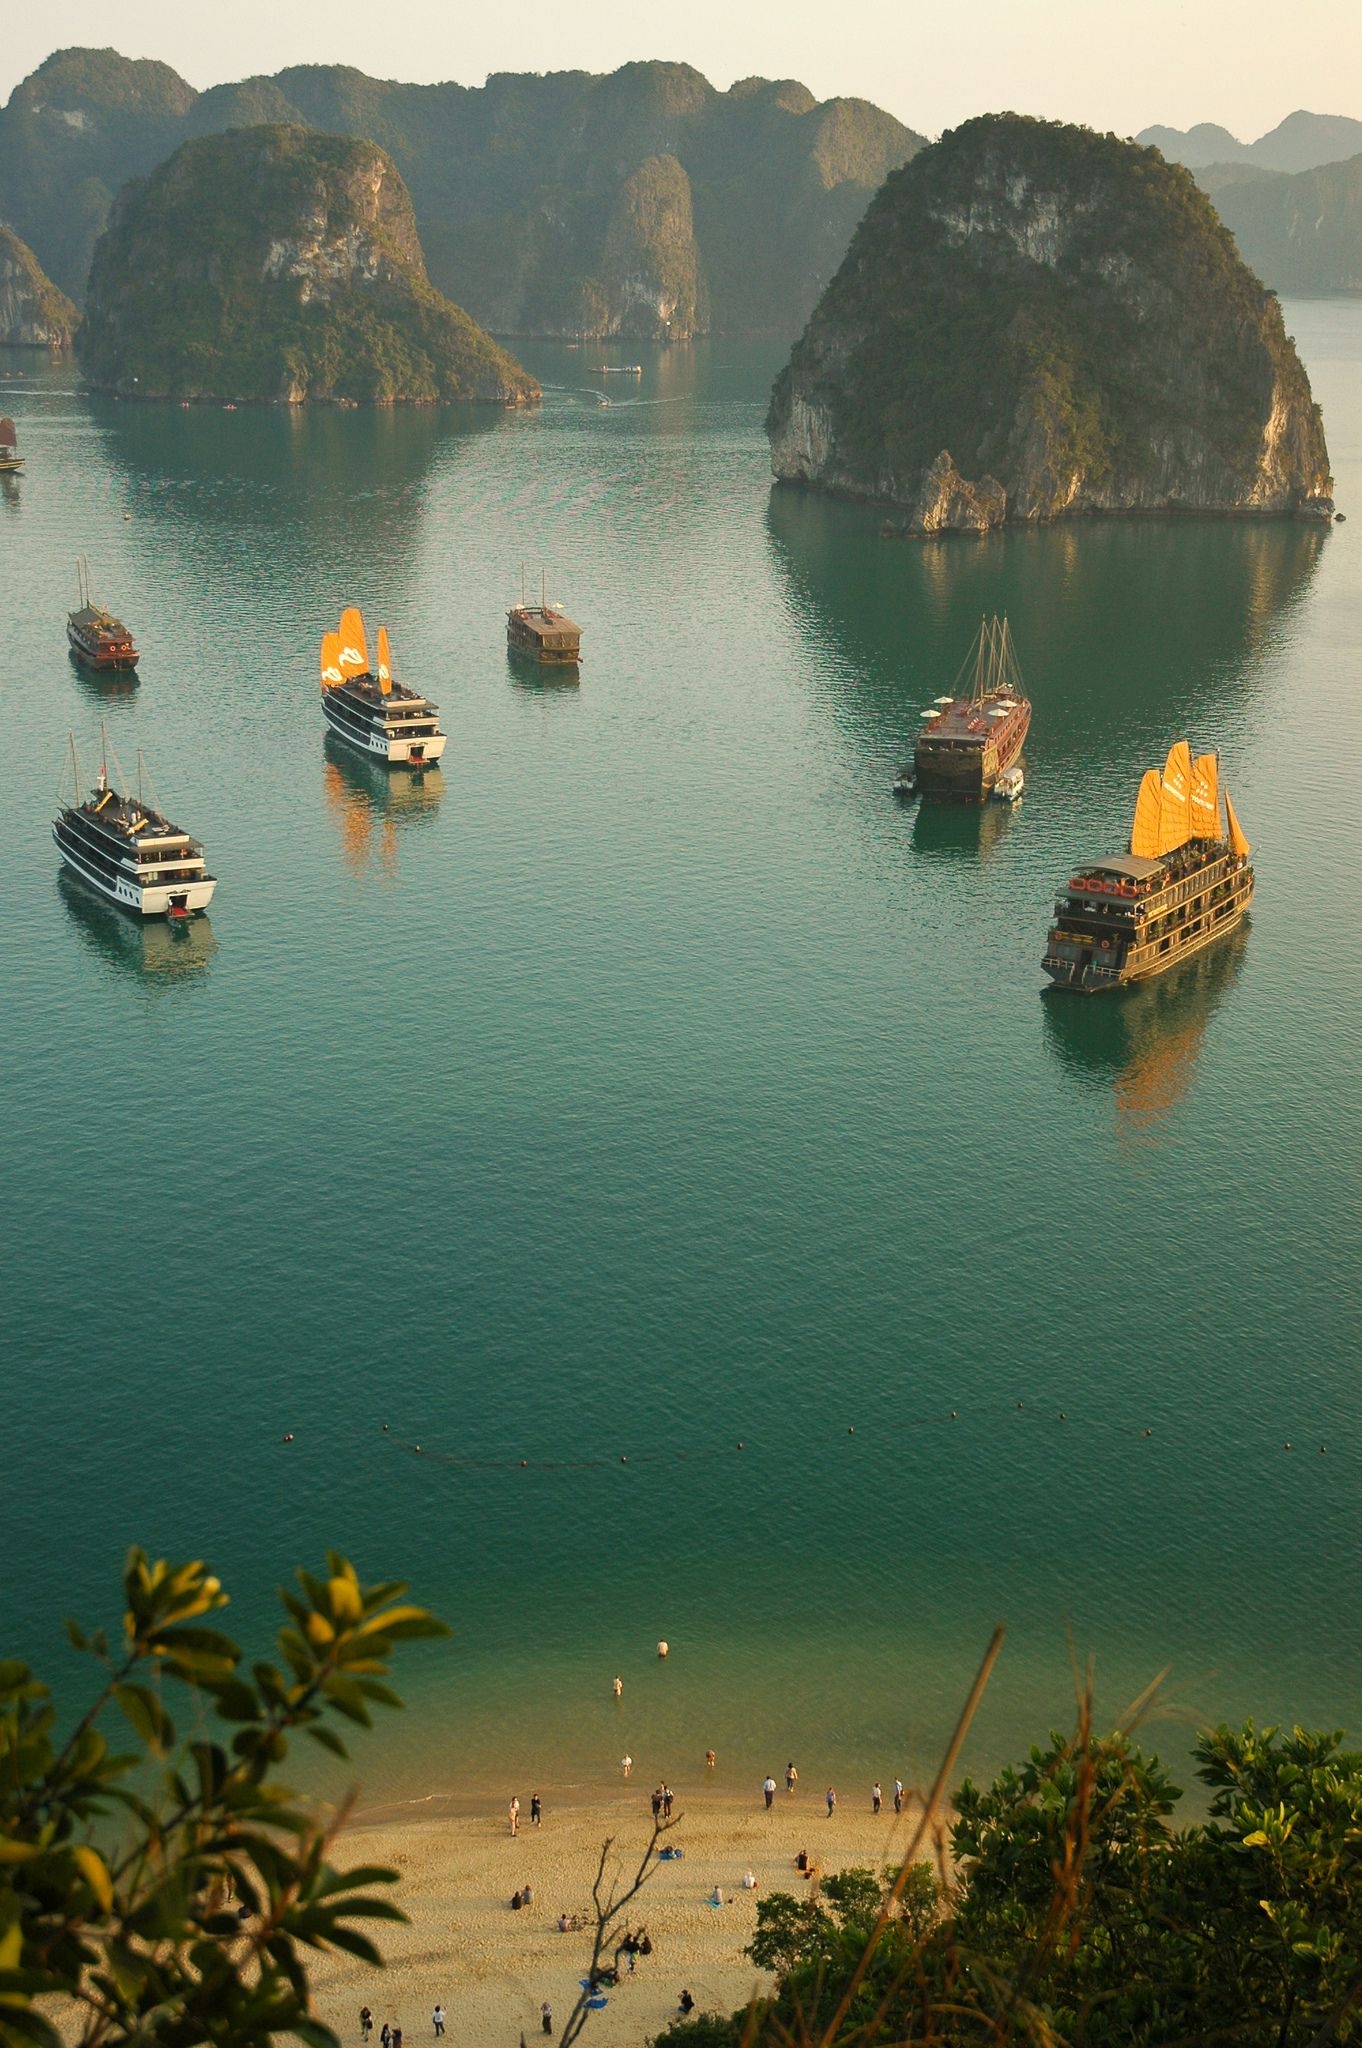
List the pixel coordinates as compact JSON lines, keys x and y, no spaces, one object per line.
{"x":647,"y":1082}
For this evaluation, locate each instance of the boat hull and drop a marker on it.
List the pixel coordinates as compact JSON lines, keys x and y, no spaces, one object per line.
{"x":397,"y":753}
{"x":968,"y":776}
{"x":160,"y":899}
{"x":1089,"y":977}
{"x":92,"y":657}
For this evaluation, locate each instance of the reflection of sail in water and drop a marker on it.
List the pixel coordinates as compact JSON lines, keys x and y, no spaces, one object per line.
{"x":148,"y":948}
{"x":1144,"y":1042}
{"x":953,"y":831}
{"x":371,"y":803}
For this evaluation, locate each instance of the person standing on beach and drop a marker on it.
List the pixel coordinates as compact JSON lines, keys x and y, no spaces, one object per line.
{"x":832,"y":1801}
{"x":666,"y":1802}
{"x":657,"y":1801}
{"x":366,"y":2023}
{"x":791,"y":1777}
{"x":385,"y":2035}
{"x":898,"y":1795}
{"x":619,"y":1685}
{"x":437,"y":2020}
{"x":626,"y":1764}
{"x":546,"y":2017}
{"x":876,"y":1797}
{"x":663,"y":1647}
{"x":514,"y":1811}
{"x":768,"y":1788}
{"x":710,"y":1759}
{"x":536,"y":1810}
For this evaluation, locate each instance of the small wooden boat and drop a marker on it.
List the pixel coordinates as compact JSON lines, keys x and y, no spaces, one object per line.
{"x":97,"y":638}
{"x":11,"y":461}
{"x":543,"y":632}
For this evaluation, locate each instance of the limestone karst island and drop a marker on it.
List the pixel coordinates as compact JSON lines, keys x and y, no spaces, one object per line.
{"x":682,"y":698}
{"x":1035,"y":321}
{"x":274,"y":263}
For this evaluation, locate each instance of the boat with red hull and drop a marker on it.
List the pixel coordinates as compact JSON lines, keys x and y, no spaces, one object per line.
{"x":977,"y":733}
{"x":98,"y":640}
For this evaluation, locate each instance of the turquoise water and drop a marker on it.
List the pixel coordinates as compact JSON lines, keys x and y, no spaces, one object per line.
{"x":648,"y":1082}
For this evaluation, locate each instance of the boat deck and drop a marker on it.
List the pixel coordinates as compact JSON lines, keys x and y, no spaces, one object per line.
{"x":366,"y":686}
{"x":966,"y":722}
{"x":120,"y":815}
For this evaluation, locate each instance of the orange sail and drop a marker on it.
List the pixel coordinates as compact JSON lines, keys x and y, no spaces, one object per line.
{"x":383,"y":662}
{"x":1144,"y":833}
{"x":1205,"y":797}
{"x":1175,"y":801}
{"x":354,"y":651}
{"x":331,"y":668}
{"x":1238,"y":844}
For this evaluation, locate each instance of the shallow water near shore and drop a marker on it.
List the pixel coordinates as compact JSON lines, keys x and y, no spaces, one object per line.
{"x":647,"y":1097}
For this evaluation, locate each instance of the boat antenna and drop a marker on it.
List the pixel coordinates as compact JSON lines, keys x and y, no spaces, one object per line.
{"x":522,"y":586}
{"x":83,"y":582}
{"x":543,"y":590}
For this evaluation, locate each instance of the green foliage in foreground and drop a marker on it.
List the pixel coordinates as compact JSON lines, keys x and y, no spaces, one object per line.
{"x":1079,"y":1913}
{"x":168,"y":1894}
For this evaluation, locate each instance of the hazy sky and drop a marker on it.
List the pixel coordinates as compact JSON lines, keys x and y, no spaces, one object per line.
{"x":1244,"y":63}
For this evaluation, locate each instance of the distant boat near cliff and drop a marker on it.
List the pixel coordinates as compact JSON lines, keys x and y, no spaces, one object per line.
{"x":11,"y":460}
{"x":973,"y":737}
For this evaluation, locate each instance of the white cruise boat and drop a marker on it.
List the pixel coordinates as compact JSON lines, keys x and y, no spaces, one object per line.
{"x":121,"y":845}
{"x":368,"y":707}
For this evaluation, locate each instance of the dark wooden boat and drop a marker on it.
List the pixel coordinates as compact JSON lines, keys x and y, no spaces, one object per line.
{"x":11,"y":461}
{"x":1184,"y":883}
{"x":977,"y":733}
{"x":97,"y":638}
{"x":541,"y":632}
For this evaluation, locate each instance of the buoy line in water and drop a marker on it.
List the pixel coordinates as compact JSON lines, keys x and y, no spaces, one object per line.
{"x":1060,"y":1417}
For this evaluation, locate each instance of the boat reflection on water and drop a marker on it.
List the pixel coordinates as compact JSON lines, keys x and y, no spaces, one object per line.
{"x":543,"y":679}
{"x":153,"y":949}
{"x":103,"y":685}
{"x":1143,"y":1042}
{"x":956,"y":831}
{"x":371,"y":803}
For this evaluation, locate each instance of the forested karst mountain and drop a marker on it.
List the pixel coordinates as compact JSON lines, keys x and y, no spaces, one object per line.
{"x":1301,"y":233}
{"x":1036,"y":321}
{"x":643,"y":203}
{"x":1298,"y":143}
{"x":33,"y":313}
{"x":277,"y":263}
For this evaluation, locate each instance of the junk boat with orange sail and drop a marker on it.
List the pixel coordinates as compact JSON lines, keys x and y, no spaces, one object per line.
{"x":367,"y":706}
{"x":1184,"y":883}
{"x":973,"y":737}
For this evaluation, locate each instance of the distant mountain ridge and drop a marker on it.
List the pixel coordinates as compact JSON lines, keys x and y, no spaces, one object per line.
{"x":1300,"y":233}
{"x":643,"y":203}
{"x":1301,"y":142}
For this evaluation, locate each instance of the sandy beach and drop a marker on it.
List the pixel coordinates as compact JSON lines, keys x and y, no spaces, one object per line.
{"x":492,"y":1967}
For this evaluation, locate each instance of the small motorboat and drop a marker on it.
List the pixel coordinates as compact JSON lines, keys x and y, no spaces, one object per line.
{"x":1009,"y":786}
{"x":905,"y":782}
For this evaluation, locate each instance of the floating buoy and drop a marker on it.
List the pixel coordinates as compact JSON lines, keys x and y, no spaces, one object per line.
{"x":952,"y":1415}
{"x":1149,"y":1432}
{"x":288,"y":1437}
{"x":741,"y":1445}
{"x":1062,"y":1416}
{"x":1286,"y":1447}
{"x":385,"y":1425}
{"x":623,"y":1459}
{"x":850,"y":1430}
{"x":1321,"y":1450}
{"x":523,"y":1463}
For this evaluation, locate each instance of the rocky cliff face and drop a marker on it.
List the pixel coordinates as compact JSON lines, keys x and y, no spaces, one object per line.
{"x":1034,"y":321}
{"x":1301,"y":232}
{"x":523,"y":188}
{"x":33,"y":313}
{"x":278,"y":264}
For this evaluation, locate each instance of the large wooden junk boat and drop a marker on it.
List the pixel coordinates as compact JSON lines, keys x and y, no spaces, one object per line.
{"x":366,"y":705}
{"x":1184,"y":883}
{"x":125,"y":848}
{"x":11,"y":461}
{"x":97,"y":638}
{"x":977,"y":733}
{"x":543,"y":631}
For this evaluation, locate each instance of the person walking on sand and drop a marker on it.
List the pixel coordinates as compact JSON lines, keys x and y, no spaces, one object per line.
{"x":832,"y":1801}
{"x":385,"y":2035}
{"x":619,"y":1685}
{"x":366,"y":2023}
{"x":626,"y":1764}
{"x":898,"y":1795}
{"x":437,"y":2020}
{"x":536,"y":1810}
{"x":768,"y":1788}
{"x":397,"y":2037}
{"x":710,"y":1759}
{"x":514,"y":1811}
{"x":876,"y":1797}
{"x":667,"y":1796}
{"x":657,"y":1801}
{"x":546,"y":2018}
{"x":791,"y":1777}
